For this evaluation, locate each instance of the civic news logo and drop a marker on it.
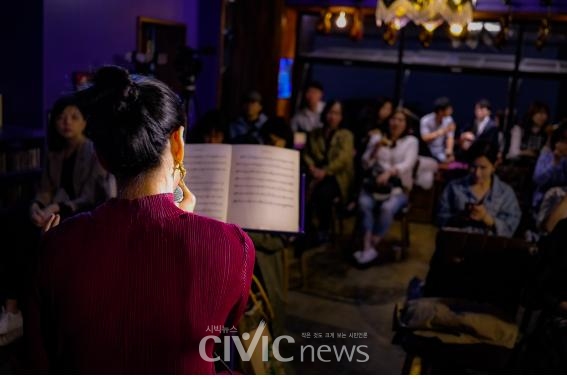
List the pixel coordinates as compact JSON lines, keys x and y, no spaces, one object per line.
{"x":321,"y":353}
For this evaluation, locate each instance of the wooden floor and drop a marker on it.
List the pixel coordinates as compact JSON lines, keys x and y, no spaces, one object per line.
{"x":337,"y":297}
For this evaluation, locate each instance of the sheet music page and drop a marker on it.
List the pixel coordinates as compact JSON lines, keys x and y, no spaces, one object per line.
{"x":208,"y":178}
{"x":264,"y":188}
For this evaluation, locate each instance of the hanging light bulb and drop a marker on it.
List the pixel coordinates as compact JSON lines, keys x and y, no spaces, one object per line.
{"x":398,"y":23}
{"x":474,"y":27}
{"x":456,"y":30}
{"x":341,"y":21}
{"x":431,"y":25}
{"x":492,"y":27}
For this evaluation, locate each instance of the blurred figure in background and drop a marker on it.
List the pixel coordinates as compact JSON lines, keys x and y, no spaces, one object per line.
{"x":329,"y":156}
{"x":247,"y":128}
{"x":211,"y":128}
{"x":389,"y":161}
{"x":483,"y":128}
{"x":308,"y":118}
{"x":527,"y":140}
{"x":72,"y":181}
{"x":480,"y":202}
{"x":437,"y":129}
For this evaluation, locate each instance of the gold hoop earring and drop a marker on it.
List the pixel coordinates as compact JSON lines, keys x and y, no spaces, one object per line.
{"x":182,"y":171}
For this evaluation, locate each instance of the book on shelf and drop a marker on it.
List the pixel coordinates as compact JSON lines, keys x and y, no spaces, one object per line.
{"x":256,"y":187}
{"x":21,"y":160}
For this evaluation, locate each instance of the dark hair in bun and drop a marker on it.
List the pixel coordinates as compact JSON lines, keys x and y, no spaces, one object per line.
{"x":130,"y":120}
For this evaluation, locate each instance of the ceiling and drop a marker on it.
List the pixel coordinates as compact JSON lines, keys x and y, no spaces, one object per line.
{"x":524,"y":6}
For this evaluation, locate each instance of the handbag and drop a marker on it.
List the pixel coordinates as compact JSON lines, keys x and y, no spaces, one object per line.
{"x":380,"y":192}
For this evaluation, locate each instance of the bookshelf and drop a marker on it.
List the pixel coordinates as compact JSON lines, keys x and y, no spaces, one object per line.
{"x":22,"y":153}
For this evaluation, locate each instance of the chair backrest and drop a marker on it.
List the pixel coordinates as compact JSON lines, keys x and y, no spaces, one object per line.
{"x":480,"y":267}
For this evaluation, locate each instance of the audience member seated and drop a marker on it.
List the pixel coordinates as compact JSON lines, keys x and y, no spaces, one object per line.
{"x":480,"y":202}
{"x":527,"y":140}
{"x":72,"y":181}
{"x":551,"y":167}
{"x":246,"y":129}
{"x":552,"y":210}
{"x":277,"y":132}
{"x":374,"y":120}
{"x":308,"y":118}
{"x":437,"y":129}
{"x":73,"y":172}
{"x":483,"y":128}
{"x":328,"y":156}
{"x":389,"y":162}
{"x":211,"y":128}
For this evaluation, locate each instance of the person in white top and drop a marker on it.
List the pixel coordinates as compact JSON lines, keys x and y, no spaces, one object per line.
{"x":390,"y":161}
{"x":308,"y":117}
{"x":437,"y":129}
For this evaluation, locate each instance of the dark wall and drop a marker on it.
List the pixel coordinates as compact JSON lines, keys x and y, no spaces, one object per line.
{"x":82,"y":35}
{"x":21,"y":74}
{"x":254,"y":55}
{"x":208,"y":84}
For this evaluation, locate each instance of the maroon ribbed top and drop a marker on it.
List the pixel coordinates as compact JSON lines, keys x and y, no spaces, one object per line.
{"x":133,"y":286}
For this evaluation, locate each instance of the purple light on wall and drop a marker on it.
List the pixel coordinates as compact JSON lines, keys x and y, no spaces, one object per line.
{"x":82,"y":35}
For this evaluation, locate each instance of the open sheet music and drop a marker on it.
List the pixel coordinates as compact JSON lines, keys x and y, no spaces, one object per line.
{"x":254,"y":186}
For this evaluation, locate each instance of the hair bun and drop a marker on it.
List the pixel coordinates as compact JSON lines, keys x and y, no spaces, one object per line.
{"x":116,"y":82}
{"x":111,"y":77}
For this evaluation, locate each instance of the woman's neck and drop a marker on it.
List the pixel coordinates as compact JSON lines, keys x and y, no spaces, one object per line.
{"x":154,"y":183}
{"x":483,"y":186}
{"x":73,"y":144}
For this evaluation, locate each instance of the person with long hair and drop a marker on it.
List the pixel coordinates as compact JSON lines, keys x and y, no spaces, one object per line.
{"x":480,"y":202}
{"x":73,"y":174}
{"x":136,"y":285}
{"x":528,"y":139}
{"x":389,"y":161}
{"x":329,"y":156}
{"x":72,"y":181}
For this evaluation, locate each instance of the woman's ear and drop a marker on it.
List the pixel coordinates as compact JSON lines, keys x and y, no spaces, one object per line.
{"x":177,"y":144}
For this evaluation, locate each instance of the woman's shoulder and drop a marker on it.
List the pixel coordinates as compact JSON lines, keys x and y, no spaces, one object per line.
{"x":459,"y":184}
{"x":409,"y":140}
{"x":69,"y":231}
{"x":216,"y":232}
{"x":503,"y":187}
{"x":344,"y":132}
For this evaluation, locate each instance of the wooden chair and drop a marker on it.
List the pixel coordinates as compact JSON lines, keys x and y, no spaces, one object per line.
{"x":479,"y":269}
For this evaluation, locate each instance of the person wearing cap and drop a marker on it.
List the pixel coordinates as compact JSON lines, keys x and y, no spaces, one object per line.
{"x":247,"y":128}
{"x":438,"y":130}
{"x":308,"y":117}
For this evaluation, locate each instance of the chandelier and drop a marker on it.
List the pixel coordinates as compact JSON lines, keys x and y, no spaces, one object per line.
{"x":429,"y":14}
